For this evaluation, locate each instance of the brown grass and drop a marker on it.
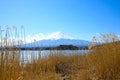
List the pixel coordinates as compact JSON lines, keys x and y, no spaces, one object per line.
{"x":105,"y":61}
{"x":102,"y":63}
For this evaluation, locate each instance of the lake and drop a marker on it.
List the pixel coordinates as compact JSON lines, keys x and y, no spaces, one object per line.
{"x":27,"y":55}
{"x":30,"y":55}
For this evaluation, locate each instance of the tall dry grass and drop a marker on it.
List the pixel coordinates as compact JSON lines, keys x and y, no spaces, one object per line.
{"x":102,"y":63}
{"x":105,"y":59}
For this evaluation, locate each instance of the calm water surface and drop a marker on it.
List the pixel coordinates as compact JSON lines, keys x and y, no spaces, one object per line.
{"x":34,"y":54}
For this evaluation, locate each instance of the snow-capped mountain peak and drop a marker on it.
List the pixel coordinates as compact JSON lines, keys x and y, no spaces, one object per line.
{"x":59,"y":35}
{"x":52,"y":36}
{"x":53,"y":40}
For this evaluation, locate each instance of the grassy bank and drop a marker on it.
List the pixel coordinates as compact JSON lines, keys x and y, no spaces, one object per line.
{"x":101,"y":64}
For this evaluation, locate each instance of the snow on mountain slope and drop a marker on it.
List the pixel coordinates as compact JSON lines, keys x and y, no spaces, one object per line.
{"x":52,"y":36}
{"x":58,"y":35}
{"x":53,"y":43}
{"x":53,"y":40}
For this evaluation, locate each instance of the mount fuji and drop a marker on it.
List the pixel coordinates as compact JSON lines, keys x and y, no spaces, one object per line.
{"x":56,"y":39}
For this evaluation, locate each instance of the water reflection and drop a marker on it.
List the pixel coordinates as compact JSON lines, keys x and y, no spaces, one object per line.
{"x":27,"y":55}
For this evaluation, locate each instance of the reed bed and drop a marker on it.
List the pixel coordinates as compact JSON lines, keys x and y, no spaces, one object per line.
{"x":102,"y":63}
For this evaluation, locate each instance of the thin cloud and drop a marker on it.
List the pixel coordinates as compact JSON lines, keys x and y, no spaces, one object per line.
{"x":41,"y":36}
{"x":37,"y":37}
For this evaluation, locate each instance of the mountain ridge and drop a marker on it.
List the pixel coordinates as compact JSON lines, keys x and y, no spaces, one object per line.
{"x":57,"y":42}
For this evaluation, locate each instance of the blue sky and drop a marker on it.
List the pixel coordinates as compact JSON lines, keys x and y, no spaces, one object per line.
{"x":80,"y":19}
